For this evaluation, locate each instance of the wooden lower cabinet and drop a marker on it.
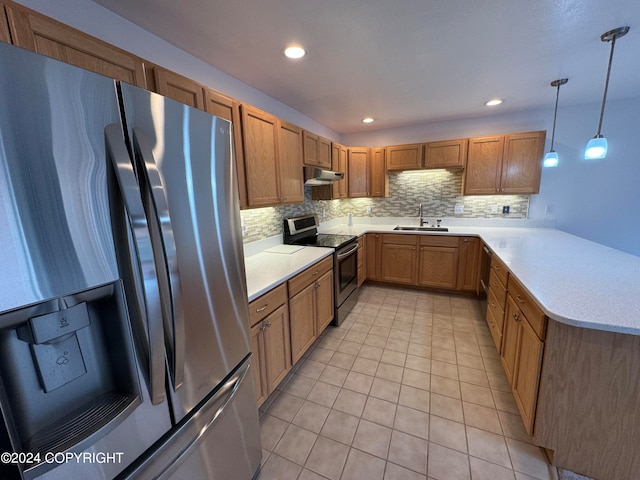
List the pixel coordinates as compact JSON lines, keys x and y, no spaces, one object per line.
{"x":438,"y":261}
{"x":399,"y":258}
{"x":469,"y":264}
{"x":527,"y":376}
{"x":362,"y":265}
{"x":372,"y":256}
{"x":270,"y":341}
{"x":310,"y":305}
{"x":521,"y":356}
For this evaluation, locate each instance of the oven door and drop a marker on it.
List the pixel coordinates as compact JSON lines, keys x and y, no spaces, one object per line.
{"x":345,"y":271}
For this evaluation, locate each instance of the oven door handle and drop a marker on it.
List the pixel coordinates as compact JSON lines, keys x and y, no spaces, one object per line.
{"x":347,"y":253}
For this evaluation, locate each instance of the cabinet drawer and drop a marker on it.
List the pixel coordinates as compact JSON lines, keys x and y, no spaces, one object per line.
{"x":267,"y":303}
{"x":536,"y":317}
{"x":496,"y":331}
{"x":497,"y":288}
{"x":308,"y":276}
{"x":438,"y":241}
{"x":399,"y":239}
{"x":500,"y":269}
{"x":496,"y":309}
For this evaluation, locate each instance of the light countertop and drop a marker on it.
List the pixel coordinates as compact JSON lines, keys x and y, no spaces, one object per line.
{"x":267,"y":270}
{"x":573,"y":280}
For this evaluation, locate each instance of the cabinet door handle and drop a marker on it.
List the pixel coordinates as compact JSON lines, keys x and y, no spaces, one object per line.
{"x":263,"y":327}
{"x":516,"y":317}
{"x":317,"y":285}
{"x":520,"y":299}
{"x":496,"y":267}
{"x":269,"y":324}
{"x":262,"y":309}
{"x":493,"y":305}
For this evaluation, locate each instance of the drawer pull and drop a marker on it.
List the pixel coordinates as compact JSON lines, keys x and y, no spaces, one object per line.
{"x":520,"y":299}
{"x":315,"y":273}
{"x":262,"y":309}
{"x":493,"y":305}
{"x":496,"y":267}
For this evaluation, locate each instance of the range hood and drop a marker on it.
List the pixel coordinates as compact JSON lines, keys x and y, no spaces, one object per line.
{"x":317,"y":176}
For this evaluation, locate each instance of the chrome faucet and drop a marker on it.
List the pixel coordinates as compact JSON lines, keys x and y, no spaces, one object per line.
{"x":420,"y":215}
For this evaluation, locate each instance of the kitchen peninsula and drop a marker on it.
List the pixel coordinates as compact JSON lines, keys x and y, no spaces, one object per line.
{"x":586,"y":414}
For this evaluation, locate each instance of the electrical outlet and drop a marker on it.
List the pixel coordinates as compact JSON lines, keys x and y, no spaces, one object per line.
{"x":505,"y":209}
{"x":458,"y":209}
{"x":368,"y":209}
{"x":548,"y":209}
{"x":494,"y":209}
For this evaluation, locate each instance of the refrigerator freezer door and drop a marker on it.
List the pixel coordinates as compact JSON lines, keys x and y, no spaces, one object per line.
{"x":54,"y":207}
{"x":193,"y":163}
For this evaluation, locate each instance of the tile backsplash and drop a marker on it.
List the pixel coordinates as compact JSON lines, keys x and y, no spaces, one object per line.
{"x":438,"y":191}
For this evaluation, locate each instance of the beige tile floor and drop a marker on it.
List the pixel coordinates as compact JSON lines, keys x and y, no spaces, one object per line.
{"x":410,"y":386}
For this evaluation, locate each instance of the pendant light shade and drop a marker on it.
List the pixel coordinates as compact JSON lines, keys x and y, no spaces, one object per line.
{"x":597,"y":146}
{"x":551,"y":158}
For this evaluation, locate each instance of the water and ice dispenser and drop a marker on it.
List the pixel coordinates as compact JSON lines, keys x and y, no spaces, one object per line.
{"x":68,"y":372}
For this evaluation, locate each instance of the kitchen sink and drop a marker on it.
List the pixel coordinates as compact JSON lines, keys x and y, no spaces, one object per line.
{"x":422,"y":229}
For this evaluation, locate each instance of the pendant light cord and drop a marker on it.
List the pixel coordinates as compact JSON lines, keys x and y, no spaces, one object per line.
{"x":555,"y":115}
{"x":606,"y":87}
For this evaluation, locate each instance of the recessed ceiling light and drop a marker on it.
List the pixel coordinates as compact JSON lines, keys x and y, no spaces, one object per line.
{"x":294,"y":52}
{"x":368,"y":120}
{"x":493,"y":102}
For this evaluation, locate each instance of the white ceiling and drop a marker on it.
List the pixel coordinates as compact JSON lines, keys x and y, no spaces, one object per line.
{"x":405,"y":62}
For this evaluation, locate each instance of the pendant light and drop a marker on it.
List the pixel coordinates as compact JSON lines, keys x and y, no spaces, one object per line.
{"x":597,"y":146}
{"x":551,"y":158}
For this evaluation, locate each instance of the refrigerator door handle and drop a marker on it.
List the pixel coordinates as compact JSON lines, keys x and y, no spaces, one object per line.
{"x":145,"y":268}
{"x":169,"y":282}
{"x":188,"y":435}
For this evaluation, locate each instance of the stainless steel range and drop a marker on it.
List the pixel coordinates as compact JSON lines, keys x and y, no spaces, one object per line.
{"x":304,"y":231}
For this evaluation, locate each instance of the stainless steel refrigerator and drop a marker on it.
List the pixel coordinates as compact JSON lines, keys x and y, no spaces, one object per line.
{"x":124,"y":332}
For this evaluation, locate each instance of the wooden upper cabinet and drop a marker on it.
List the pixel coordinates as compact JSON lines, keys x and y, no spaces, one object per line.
{"x":272,"y":158}
{"x":405,"y":157}
{"x":508,"y":164}
{"x":290,"y":163}
{"x":358,"y":172}
{"x":484,"y":163}
{"x":379,"y":184}
{"x":260,"y":137}
{"x":179,"y":88}
{"x":228,"y":108}
{"x":4,"y":27}
{"x":317,"y":150}
{"x":339,"y":164}
{"x":447,"y":154}
{"x":522,"y":163}
{"x":41,"y":34}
